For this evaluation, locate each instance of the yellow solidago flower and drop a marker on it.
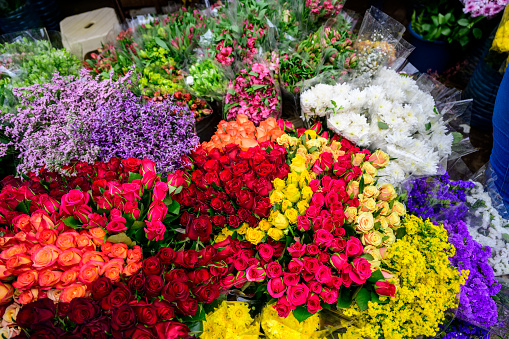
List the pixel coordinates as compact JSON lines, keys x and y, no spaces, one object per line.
{"x":276,"y":327}
{"x":428,"y":286}
{"x":231,"y":320}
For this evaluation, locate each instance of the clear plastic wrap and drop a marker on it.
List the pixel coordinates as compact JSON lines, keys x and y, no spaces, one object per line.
{"x":206,"y":78}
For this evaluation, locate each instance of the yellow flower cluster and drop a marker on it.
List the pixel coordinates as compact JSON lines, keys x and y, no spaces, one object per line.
{"x":276,"y":327}
{"x":428,"y":286}
{"x":501,"y":41}
{"x":231,"y":320}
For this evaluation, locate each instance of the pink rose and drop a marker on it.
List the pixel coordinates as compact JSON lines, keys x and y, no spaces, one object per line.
{"x":329,"y":295}
{"x":354,"y":247}
{"x":157,"y":211}
{"x":297,"y":250}
{"x":290,"y":279}
{"x":148,"y":180}
{"x":276,"y":287}
{"x":265,"y":251}
{"x":314,"y":185}
{"x":155,"y":230}
{"x":283,"y":307}
{"x":339,"y":260}
{"x":147,"y":166}
{"x":318,"y":200}
{"x":255,"y":273}
{"x":295,"y":266}
{"x":303,"y":223}
{"x":298,"y":294}
{"x":311,"y":265}
{"x":385,"y":288}
{"x":131,"y":191}
{"x":160,"y":190}
{"x":116,"y":227}
{"x":274,"y":270}
{"x":313,"y":303}
{"x":72,"y":200}
{"x":315,"y":287}
{"x":324,"y":238}
{"x":323,"y":274}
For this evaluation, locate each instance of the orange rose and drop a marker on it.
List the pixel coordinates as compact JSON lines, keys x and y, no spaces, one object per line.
{"x":85,"y":241}
{"x":275,"y":133}
{"x":40,"y":221}
{"x":242,"y":118}
{"x":67,"y":240}
{"x":113,"y":269}
{"x":106,"y":247}
{"x":6,"y":293}
{"x":69,"y":277}
{"x":22,"y":222}
{"x":70,"y":257}
{"x":28,"y":296}
{"x":45,"y":256}
{"x":246,"y":144}
{"x":73,"y":291}
{"x":97,"y":234}
{"x":11,"y":251}
{"x":31,"y":250}
{"x":49,"y":278}
{"x":18,"y":260}
{"x":23,"y":236}
{"x":93,"y":256}
{"x":131,"y":269}
{"x":90,"y":272}
{"x":47,"y":236}
{"x":26,"y":280}
{"x":118,"y":251}
{"x":134,"y":255}
{"x":5,"y":274}
{"x":54,"y":294}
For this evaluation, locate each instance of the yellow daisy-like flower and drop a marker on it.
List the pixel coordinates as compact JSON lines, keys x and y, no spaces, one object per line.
{"x":239,"y":311}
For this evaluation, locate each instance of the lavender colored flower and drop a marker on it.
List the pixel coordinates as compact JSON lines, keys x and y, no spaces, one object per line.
{"x":463,"y":330}
{"x":160,"y":131}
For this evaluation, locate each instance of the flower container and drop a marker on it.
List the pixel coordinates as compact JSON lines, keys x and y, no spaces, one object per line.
{"x":206,"y":127}
{"x":434,"y":55}
{"x":23,"y":18}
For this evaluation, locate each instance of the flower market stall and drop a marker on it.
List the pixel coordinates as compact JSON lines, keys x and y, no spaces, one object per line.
{"x":340,"y":219}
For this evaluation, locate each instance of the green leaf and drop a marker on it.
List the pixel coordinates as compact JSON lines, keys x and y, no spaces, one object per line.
{"x":400,"y":232}
{"x":463,"y":22}
{"x":301,"y":313}
{"x":383,"y":125}
{"x":375,"y":276}
{"x":161,"y":43}
{"x":133,"y":176}
{"x":174,"y":207}
{"x":345,"y":298}
{"x":256,"y":87}
{"x":253,"y":73}
{"x":361,"y":185}
{"x":362,"y":299}
{"x":333,"y":103}
{"x":428,"y":126}
{"x":121,"y":238}
{"x":138,"y":224}
{"x":505,"y":236}
{"x":426,"y":27}
{"x":434,"y":18}
{"x":456,"y":137}
{"x":23,"y":208}
{"x":71,"y":222}
{"x":446,"y":31}
{"x":441,"y":18}
{"x":367,"y":256}
{"x":477,"y":33}
{"x":196,"y":328}
{"x":313,"y":149}
{"x":448,"y":16}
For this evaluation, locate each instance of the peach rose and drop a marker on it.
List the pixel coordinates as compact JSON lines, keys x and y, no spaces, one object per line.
{"x":370,"y":169}
{"x":370,"y":249}
{"x":387,"y":192}
{"x":383,"y":222}
{"x":54,"y":294}
{"x":358,"y":158}
{"x":69,"y":277}
{"x":5,"y":273}
{"x":22,"y":222}
{"x":131,"y":269}
{"x":93,"y":256}
{"x":40,"y":221}
{"x":85,"y":241}
{"x":76,"y":290}
{"x":26,"y":280}
{"x":49,"y":278}
{"x":97,"y":234}
{"x":45,"y":256}
{"x":134,"y":255}
{"x":28,"y":296}
{"x":18,"y":260}
{"x":353,"y":189}
{"x":393,"y":219}
{"x":10,"y":314}
{"x":6,"y":293}
{"x":106,"y":247}
{"x":113,"y":269}
{"x":70,"y":257}
{"x":13,"y":250}
{"x":399,"y":208}
{"x":367,"y":205}
{"x":384,"y":253}
{"x":370,"y":192}
{"x":372,"y":238}
{"x":47,"y":236}
{"x":9,"y":332}
{"x":118,"y":251}
{"x":375,"y":264}
{"x":368,"y":179}
{"x":351,"y":213}
{"x":384,"y":205}
{"x":365,"y":222}
{"x":379,"y":159}
{"x":67,"y":240}
{"x":391,"y":237}
{"x":90,"y":272}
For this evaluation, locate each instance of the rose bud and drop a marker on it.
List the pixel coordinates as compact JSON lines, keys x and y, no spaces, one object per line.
{"x":385,"y":288}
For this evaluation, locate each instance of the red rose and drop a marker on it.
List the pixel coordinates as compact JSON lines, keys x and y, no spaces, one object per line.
{"x":206,"y":255}
{"x":165,"y":310}
{"x":354,"y":247}
{"x":276,"y":287}
{"x":313,"y":303}
{"x":118,"y":297}
{"x":188,"y":306}
{"x":177,"y":290}
{"x":123,"y":318}
{"x":324,"y":257}
{"x":233,"y":221}
{"x":152,"y":265}
{"x":227,"y":282}
{"x":177,"y":274}
{"x":101,"y":288}
{"x":216,"y":204}
{"x":318,"y":200}
{"x":47,"y":203}
{"x":141,"y":332}
{"x":228,"y":208}
{"x":274,"y":270}
{"x":145,"y":313}
{"x":200,"y":228}
{"x":282,"y":171}
{"x":72,"y":200}
{"x":82,"y":310}
{"x":131,"y":165}
{"x":153,"y":285}
{"x":262,"y":207}
{"x":206,"y":293}
{"x":312,"y":249}
{"x":212,"y":177}
{"x":240,"y":168}
{"x":136,"y":283}
{"x":225,"y":175}
{"x":311,"y":265}
{"x":265,"y":251}
{"x":243,"y":214}
{"x":36,"y":312}
{"x":240,"y":263}
{"x":132,"y":191}
{"x":245,"y":199}
{"x":97,"y":328}
{"x":219,"y":220}
{"x":265,"y":169}
{"x":233,"y":186}
{"x":166,"y":255}
{"x":199,"y":276}
{"x":362,"y":268}
{"x":385,"y":288}
{"x":312,"y":212}
{"x":218,"y":269}
{"x":171,"y":330}
{"x":297,"y":250}
{"x":157,"y":211}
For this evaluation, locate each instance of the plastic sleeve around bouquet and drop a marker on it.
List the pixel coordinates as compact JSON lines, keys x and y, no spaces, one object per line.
{"x":253,"y":91}
{"x":207,"y":78}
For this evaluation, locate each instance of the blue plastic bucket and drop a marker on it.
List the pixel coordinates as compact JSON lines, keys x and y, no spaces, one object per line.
{"x":434,"y":55}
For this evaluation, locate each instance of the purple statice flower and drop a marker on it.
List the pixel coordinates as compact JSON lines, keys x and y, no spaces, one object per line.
{"x":127,"y":128}
{"x":463,"y":330}
{"x":49,"y":115}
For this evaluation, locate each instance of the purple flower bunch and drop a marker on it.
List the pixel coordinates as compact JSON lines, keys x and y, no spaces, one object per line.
{"x":462,"y":330}
{"x":483,"y":7}
{"x":444,"y":201}
{"x":127,"y":128}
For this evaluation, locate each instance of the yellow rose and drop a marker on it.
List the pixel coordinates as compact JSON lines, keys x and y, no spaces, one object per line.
{"x":367,"y":205}
{"x":392,"y":237}
{"x":302,"y":206}
{"x":351,"y":213}
{"x":292,"y":178}
{"x":352,"y":189}
{"x":365,"y":222}
{"x":286,"y":204}
{"x":372,"y":238}
{"x":243,"y":228}
{"x":307,"y":193}
{"x":399,"y":208}
{"x":293,"y":141}
{"x":311,"y":134}
{"x":375,"y":265}
{"x":375,"y":252}
{"x":370,"y":192}
{"x":279,"y":220}
{"x":305,"y":178}
{"x":302,"y":150}
{"x":379,"y":159}
{"x":226,"y":231}
{"x":383,"y":222}
{"x":358,"y":158}
{"x":10,"y":314}
{"x":387,"y":192}
{"x":384,"y":205}
{"x":275,"y":234}
{"x":291,"y":214}
{"x":368,"y":179}
{"x":219,"y":238}
{"x":254,"y":235}
{"x":276,"y":197}
{"x":279,"y":184}
{"x":298,"y":163}
{"x":264,"y":225}
{"x":370,"y":169}
{"x":335,"y":145}
{"x":284,"y":140}
{"x":292,"y":193}
{"x":314,"y":143}
{"x":393,"y":220}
